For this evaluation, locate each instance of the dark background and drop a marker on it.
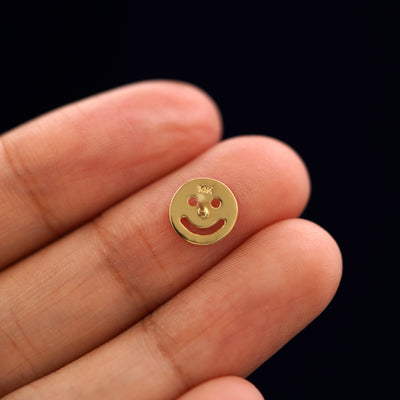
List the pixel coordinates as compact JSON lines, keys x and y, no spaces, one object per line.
{"x":318,"y":76}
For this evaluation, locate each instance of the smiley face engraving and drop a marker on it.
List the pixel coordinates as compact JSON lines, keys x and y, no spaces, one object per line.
{"x":203,"y":211}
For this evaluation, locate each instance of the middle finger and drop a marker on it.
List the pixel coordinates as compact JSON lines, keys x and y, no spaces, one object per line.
{"x":86,"y":288}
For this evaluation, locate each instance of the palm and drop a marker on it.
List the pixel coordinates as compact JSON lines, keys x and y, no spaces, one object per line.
{"x":97,"y":285}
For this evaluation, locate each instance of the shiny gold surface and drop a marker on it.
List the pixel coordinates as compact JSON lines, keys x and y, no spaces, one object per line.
{"x":203,"y":211}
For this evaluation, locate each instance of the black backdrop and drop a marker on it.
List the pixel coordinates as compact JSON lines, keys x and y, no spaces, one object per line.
{"x":318,"y":76}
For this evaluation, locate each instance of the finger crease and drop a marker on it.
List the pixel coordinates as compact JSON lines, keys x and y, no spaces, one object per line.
{"x":163,"y":343}
{"x":17,"y":346}
{"x":109,"y":253}
{"x":153,"y":255}
{"x":16,"y":168}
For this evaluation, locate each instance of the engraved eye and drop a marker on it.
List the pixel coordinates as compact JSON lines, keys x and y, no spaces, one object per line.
{"x":192,"y":201}
{"x":215,"y":202}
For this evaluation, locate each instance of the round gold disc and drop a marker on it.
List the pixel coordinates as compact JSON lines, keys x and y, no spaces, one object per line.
{"x":203,"y":211}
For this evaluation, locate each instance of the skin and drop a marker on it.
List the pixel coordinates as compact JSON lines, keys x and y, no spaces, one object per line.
{"x":229,"y":387}
{"x":100,"y":298}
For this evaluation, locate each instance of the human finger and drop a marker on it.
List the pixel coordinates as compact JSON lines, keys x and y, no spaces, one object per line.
{"x":227,"y":388}
{"x":227,"y":322}
{"x":60,"y":170}
{"x":107,"y":275}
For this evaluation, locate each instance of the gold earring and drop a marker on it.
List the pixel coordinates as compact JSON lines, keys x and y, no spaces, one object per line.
{"x":203,"y":211}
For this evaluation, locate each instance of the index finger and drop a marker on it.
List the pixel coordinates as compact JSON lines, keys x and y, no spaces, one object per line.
{"x":62,"y":169}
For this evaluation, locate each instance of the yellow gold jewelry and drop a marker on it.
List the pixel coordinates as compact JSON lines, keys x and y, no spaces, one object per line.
{"x":203,"y":211}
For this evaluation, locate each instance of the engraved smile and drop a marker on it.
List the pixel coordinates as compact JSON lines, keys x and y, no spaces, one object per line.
{"x":202,"y":231}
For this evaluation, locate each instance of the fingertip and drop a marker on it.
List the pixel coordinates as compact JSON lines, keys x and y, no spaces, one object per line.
{"x":195,"y":102}
{"x":270,"y":160}
{"x":295,"y":172}
{"x":228,"y":387}
{"x":315,"y":260}
{"x":327,"y":267}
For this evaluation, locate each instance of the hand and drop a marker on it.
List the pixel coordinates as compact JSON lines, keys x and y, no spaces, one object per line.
{"x":101,"y":299}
